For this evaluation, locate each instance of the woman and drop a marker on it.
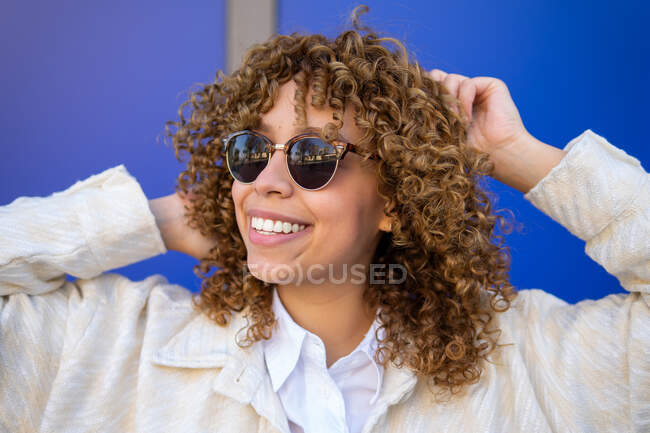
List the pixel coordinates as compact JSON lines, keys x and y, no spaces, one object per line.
{"x":360,"y":284}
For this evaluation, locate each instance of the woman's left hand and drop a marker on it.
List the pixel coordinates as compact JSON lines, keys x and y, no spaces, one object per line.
{"x":495,"y":123}
{"x":520,"y":160}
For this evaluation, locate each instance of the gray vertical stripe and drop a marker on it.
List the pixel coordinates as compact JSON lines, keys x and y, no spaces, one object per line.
{"x":248,"y":22}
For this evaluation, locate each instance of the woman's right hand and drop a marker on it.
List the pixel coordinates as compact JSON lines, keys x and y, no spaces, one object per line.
{"x":169,"y":212}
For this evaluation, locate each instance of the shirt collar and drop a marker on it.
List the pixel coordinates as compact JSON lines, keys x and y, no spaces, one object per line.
{"x":284,"y":349}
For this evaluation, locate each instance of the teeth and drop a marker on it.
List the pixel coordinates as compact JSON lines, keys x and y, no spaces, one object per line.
{"x":268,"y":226}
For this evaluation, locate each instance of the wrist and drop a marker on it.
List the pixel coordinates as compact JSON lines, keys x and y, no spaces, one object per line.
{"x":526,"y":161}
{"x":168,"y":212}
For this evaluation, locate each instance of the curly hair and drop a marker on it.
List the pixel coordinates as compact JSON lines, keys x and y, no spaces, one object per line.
{"x":443,"y":224}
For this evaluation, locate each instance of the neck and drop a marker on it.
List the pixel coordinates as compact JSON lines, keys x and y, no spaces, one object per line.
{"x":336,"y":313}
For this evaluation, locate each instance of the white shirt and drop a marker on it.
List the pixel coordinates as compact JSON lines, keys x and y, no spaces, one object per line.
{"x":315,"y":398}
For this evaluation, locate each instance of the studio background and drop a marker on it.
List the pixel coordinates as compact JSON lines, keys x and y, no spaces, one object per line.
{"x":89,"y":85}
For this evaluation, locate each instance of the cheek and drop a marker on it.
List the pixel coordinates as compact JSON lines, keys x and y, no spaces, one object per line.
{"x":368,"y":202}
{"x":352,"y":192}
{"x":353,"y":211}
{"x":350,"y":233}
{"x":238,"y":192}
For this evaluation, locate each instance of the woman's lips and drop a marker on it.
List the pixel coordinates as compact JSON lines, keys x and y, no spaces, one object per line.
{"x":276,"y":239}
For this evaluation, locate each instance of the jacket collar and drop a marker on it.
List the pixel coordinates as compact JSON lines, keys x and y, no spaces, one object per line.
{"x":244,"y":377}
{"x":200,"y":344}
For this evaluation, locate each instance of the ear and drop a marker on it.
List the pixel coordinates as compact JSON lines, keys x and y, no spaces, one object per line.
{"x":385,"y":224}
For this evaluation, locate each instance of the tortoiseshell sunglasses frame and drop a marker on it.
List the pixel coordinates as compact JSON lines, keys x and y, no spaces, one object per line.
{"x":340,"y":149}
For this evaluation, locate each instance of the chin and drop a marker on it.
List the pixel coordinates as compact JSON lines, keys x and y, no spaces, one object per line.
{"x":273,"y":272}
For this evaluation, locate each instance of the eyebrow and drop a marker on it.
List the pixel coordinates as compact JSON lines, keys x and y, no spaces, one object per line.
{"x":263,"y":127}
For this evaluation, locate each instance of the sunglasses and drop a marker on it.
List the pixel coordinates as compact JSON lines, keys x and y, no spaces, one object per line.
{"x":311,"y":161}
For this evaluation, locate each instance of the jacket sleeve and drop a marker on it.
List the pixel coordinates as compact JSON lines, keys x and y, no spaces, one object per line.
{"x":590,"y":361}
{"x":100,"y":223}
{"x":97,"y":224}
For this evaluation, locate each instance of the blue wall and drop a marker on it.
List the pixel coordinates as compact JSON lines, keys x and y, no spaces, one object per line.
{"x":89,"y":85}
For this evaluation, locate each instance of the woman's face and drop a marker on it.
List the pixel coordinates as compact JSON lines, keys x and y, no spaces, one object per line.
{"x":343,"y":220}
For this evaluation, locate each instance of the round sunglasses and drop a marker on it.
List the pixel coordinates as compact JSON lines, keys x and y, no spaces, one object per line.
{"x":311,"y":161}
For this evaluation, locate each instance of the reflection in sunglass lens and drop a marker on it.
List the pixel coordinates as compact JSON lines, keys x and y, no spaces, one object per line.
{"x":247,"y":156}
{"x":312,"y":162}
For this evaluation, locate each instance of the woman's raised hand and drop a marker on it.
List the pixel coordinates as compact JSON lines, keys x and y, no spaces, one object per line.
{"x":520,"y":160}
{"x":169,"y":212}
{"x":494,"y":119}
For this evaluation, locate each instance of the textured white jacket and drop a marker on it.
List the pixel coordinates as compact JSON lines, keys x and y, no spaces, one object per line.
{"x":107,"y":354}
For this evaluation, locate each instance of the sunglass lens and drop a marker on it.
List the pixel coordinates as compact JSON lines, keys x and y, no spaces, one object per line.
{"x":247,"y":157}
{"x":312,"y":162}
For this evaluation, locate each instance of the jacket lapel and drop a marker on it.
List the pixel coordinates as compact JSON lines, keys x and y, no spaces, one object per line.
{"x":397,"y":386}
{"x":243,"y":376}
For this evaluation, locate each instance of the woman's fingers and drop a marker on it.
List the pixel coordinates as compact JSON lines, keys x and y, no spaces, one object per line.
{"x":437,"y":74}
{"x":459,"y":86}
{"x":466,"y":94}
{"x":452,"y":82}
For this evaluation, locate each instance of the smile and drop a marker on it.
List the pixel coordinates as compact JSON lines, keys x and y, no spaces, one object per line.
{"x":267,"y":232}
{"x":272,"y":227}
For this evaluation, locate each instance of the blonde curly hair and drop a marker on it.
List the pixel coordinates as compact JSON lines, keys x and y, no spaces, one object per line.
{"x":443,"y":224}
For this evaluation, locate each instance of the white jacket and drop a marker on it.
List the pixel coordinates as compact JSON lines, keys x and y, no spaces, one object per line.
{"x":107,"y":354}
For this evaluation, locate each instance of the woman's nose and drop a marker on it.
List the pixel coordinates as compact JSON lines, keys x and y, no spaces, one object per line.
{"x":274,"y":178}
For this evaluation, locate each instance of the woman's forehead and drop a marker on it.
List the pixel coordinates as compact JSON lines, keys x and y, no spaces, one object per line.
{"x":282,"y":119}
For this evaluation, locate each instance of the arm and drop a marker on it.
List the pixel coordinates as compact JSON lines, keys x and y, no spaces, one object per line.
{"x":602,"y":195}
{"x":590,"y":362}
{"x":97,"y":224}
{"x":525,"y":162}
